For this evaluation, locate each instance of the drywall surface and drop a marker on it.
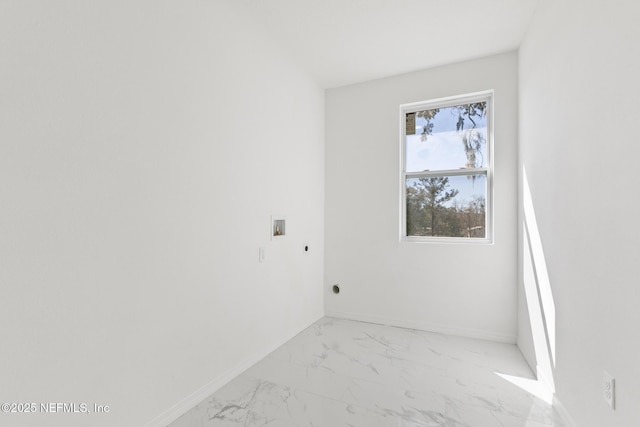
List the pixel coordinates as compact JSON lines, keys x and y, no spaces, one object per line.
{"x":466,"y":289}
{"x":579,"y":68}
{"x":144,"y":147}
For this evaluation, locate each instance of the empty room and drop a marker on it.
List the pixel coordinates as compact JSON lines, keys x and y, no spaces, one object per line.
{"x":319,"y":213}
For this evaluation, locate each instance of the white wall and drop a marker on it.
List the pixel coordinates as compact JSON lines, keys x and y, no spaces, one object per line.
{"x":455,"y":288}
{"x":143,"y":147}
{"x":579,"y":86}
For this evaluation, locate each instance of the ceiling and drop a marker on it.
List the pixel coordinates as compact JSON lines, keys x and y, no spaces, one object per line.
{"x":341,"y":42}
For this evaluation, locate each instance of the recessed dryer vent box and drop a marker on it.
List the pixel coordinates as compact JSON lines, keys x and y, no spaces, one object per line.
{"x":278,"y":227}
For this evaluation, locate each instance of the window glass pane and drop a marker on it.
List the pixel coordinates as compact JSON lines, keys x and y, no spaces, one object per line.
{"x":447,"y":206}
{"x":447,"y":138}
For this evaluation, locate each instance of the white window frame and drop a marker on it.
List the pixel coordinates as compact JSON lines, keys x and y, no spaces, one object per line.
{"x":485,"y":96}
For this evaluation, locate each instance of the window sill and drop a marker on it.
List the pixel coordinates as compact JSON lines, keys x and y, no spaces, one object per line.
{"x":446,"y":240}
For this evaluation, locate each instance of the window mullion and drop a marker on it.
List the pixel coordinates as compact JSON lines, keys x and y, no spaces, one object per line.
{"x":454,"y":172}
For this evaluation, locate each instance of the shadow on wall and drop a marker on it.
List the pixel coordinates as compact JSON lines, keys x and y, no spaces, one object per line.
{"x":542,"y":310}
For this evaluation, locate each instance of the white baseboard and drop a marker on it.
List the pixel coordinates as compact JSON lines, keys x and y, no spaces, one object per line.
{"x":182,"y":407}
{"x":425,"y":326}
{"x":563,"y":413}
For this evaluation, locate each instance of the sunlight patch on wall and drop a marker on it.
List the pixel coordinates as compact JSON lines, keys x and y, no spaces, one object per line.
{"x":540,"y":266}
{"x":536,"y":318}
{"x":540,"y":305}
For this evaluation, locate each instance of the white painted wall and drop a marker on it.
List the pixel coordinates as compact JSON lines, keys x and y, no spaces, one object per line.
{"x":579,"y":86}
{"x":455,"y":288}
{"x":143,"y":147}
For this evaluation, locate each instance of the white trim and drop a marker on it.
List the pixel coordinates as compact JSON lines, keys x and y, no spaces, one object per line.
{"x":425,"y":326}
{"x":448,"y":240}
{"x":563,"y":413}
{"x":449,"y":101}
{"x":453,"y":172}
{"x":182,"y":407}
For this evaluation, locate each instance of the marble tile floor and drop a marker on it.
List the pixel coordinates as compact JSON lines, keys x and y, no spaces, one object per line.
{"x":345,"y":373}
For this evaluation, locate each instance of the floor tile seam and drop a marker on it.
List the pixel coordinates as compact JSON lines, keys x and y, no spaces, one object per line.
{"x":539,"y":418}
{"x":484,"y":352}
{"x":342,"y":401}
{"x":327,"y":370}
{"x":416,"y":390}
{"x":400,"y":357}
{"x":388,"y":326}
{"x":333,"y":399}
{"x":448,"y":338}
{"x":323,"y":364}
{"x":444,"y":338}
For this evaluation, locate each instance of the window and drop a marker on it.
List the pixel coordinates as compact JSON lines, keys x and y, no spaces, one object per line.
{"x":447,"y":169}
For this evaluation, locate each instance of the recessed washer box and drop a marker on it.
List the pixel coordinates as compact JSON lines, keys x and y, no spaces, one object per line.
{"x":278,"y":226}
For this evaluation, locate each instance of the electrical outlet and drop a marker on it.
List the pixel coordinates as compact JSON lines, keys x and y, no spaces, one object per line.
{"x":609,"y":390}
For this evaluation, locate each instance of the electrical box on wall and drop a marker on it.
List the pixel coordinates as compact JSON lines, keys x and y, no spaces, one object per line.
{"x":278,"y":227}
